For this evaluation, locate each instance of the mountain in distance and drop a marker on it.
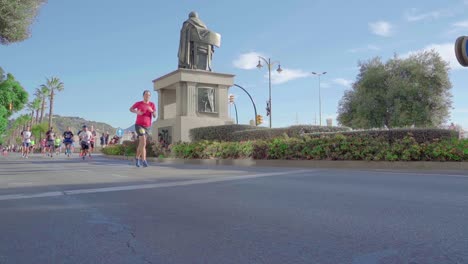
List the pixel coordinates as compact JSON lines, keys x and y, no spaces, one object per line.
{"x":75,"y":123}
{"x":129,"y":129}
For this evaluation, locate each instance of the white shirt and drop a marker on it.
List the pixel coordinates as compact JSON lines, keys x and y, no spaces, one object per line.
{"x":86,"y":136}
{"x":27,"y":136}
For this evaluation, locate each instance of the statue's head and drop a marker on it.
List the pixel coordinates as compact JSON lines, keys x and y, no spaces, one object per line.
{"x":193,"y":14}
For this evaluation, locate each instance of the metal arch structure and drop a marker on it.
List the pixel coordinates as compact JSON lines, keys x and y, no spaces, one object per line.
{"x":253,"y":103}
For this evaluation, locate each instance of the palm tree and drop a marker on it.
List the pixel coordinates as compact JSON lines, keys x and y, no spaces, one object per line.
{"x":53,"y":84}
{"x":34,"y":106}
{"x":42,"y":93}
{"x":36,"y":119}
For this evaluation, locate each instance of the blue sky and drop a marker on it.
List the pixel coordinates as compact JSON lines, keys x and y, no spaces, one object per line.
{"x":107,"y":52}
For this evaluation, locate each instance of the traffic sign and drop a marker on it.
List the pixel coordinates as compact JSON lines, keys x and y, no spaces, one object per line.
{"x":119,"y":132}
{"x":461,"y":50}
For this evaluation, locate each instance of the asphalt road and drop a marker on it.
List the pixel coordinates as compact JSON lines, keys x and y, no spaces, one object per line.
{"x":65,"y":210}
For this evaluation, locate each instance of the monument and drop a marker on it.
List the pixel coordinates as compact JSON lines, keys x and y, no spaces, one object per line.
{"x":193,"y":95}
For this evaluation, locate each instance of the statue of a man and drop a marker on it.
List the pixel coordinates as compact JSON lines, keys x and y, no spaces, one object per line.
{"x":196,"y":44}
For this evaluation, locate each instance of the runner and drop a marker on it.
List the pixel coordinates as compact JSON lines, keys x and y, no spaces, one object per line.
{"x":68,"y":141}
{"x":50,"y":135}
{"x":145,"y":110}
{"x":33,"y":145}
{"x":93,"y":139}
{"x":26,"y":134}
{"x":58,"y":145}
{"x":43,"y":145}
{"x":85,"y":139}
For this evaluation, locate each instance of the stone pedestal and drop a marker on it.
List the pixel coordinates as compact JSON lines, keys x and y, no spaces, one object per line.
{"x":189,"y":99}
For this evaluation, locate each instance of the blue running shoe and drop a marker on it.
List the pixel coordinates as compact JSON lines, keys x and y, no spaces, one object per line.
{"x":137,"y":163}
{"x":145,"y":164}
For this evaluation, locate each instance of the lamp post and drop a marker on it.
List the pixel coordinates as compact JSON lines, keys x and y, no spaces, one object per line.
{"x":320,"y":98}
{"x":270,"y":64}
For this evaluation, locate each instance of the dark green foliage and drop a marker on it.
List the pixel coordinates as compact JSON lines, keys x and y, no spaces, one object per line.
{"x":399,"y":93}
{"x":332,"y":147}
{"x":245,"y":132}
{"x":12,"y":92}
{"x":219,"y":133}
{"x":15,"y":18}
{"x":421,"y":135}
{"x":292,"y":131}
{"x":39,"y":131}
{"x":128,"y":148}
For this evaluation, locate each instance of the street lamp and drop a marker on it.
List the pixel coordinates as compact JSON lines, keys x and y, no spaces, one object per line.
{"x":270,"y":64}
{"x":320,"y":99}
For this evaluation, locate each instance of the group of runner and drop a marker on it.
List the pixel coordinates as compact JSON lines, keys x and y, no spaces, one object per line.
{"x":52,"y":143}
{"x":145,"y":111}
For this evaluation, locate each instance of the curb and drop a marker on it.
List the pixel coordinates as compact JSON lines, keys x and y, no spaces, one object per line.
{"x":332,"y":164}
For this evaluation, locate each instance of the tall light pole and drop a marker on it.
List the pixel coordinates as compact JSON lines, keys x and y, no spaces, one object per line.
{"x":270,"y":64}
{"x":320,"y":98}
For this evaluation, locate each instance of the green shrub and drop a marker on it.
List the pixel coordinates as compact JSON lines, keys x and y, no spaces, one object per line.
{"x":292,"y":131}
{"x":331,"y":147}
{"x":128,"y":148}
{"x":421,"y":135}
{"x":217,"y":133}
{"x":113,"y":150}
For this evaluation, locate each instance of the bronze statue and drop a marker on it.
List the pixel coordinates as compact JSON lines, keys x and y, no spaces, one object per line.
{"x":196,"y":44}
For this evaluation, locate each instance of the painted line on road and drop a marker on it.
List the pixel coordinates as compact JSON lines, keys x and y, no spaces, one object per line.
{"x":418,"y":173}
{"x":119,"y":176}
{"x":29,"y":196}
{"x":148,"y":186}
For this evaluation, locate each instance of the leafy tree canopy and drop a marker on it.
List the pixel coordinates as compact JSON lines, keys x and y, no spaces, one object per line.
{"x":15,"y":18}
{"x":399,"y":93}
{"x":11,"y":93}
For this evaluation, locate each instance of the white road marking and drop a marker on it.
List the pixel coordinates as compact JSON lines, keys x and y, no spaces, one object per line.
{"x":416,"y":173}
{"x":28,"y":196}
{"x":147,"y":186}
{"x":119,"y":176}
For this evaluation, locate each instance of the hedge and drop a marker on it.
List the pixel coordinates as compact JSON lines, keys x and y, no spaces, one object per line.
{"x":336,"y":147}
{"x":245,"y":132}
{"x":217,"y":133}
{"x":421,"y":135}
{"x":128,"y":148}
{"x":292,"y":131}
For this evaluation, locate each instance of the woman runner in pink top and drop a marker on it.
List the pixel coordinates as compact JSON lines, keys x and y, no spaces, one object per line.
{"x":145,"y":111}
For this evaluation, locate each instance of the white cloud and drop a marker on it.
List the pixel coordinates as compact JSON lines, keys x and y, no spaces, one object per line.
{"x":412,"y":15}
{"x":287,"y":75}
{"x":381,"y":28}
{"x":343,"y":82}
{"x":247,"y":61}
{"x":461,"y":24}
{"x":369,"y":47}
{"x":458,"y":28}
{"x":445,"y":50}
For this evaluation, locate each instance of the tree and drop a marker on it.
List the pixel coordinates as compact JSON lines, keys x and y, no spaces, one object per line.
{"x":15,"y":19}
{"x":2,"y":75}
{"x":53,"y":84}
{"x":17,"y":125}
{"x":398,"y":93}
{"x":34,"y":107}
{"x":13,"y":97}
{"x":38,"y":130}
{"x":42,"y":93}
